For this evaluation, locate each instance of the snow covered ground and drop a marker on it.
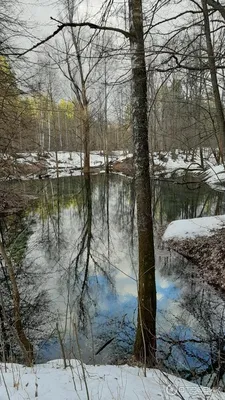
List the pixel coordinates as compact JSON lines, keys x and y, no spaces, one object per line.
{"x":177,"y":161}
{"x":51,"y":382}
{"x":70,"y":163}
{"x":191,"y":228}
{"x":215,"y":175}
{"x":180,"y":163}
{"x":69,"y":159}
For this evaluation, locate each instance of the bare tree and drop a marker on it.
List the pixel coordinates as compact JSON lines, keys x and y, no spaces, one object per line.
{"x":213,"y":74}
{"x":81,"y":70}
{"x":145,"y":343}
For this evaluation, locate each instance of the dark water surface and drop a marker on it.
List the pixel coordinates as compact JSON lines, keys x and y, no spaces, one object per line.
{"x":81,"y":240}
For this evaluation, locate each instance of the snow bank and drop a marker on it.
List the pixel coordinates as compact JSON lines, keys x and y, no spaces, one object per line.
{"x":166,"y":161}
{"x":191,"y":228}
{"x":69,"y":160}
{"x":66,"y":159}
{"x":215,"y":174}
{"x":176,"y":161}
{"x":125,"y":157}
{"x":172,"y":161}
{"x":67,"y":163}
{"x":51,"y":382}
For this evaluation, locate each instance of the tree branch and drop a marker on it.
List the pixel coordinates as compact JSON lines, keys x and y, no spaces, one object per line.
{"x":217,"y":6}
{"x":62,"y":25}
{"x":179,"y":65}
{"x":171,"y":19}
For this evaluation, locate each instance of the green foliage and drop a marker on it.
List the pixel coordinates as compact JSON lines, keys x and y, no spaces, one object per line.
{"x":67,"y":107}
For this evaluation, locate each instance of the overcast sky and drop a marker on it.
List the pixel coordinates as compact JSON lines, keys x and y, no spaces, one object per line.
{"x":37,"y":14}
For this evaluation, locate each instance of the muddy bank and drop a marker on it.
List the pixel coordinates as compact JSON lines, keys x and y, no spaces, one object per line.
{"x":12,"y":169}
{"x":126,"y":167}
{"x":207,"y":253}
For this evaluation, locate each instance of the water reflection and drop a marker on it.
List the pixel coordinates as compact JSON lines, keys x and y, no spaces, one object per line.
{"x":196,"y":319}
{"x":84,"y":243}
{"x":35,"y":304}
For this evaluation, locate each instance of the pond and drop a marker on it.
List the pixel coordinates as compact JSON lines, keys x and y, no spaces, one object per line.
{"x":77,"y":251}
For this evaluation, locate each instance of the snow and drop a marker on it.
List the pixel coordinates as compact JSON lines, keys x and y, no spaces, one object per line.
{"x":122,"y":158}
{"x":177,"y":161}
{"x":66,"y":159}
{"x":172,"y":161}
{"x":191,"y":228}
{"x":69,"y":163}
{"x":170,"y":164}
{"x":51,"y":382}
{"x":215,"y":174}
{"x":27,"y":158}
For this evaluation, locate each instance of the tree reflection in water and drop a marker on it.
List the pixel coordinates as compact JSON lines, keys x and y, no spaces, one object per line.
{"x":34,"y":302}
{"x":194,"y":344}
{"x":85,"y":238}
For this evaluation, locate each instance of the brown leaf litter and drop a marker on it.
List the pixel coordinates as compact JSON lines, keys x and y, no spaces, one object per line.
{"x":208,"y":253}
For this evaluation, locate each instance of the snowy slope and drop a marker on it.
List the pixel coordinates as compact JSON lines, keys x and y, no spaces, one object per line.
{"x":215,"y":174}
{"x":191,"y":228}
{"x":51,"y":382}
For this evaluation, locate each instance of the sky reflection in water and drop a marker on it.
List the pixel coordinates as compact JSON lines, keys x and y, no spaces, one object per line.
{"x":110,"y":297}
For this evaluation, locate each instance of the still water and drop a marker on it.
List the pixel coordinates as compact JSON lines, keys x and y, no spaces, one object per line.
{"x":80,"y":247}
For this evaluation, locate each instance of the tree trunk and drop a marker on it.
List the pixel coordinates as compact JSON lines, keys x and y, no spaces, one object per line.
{"x":216,"y":93}
{"x":49,"y":131}
{"x":81,"y":97}
{"x":145,"y":342}
{"x":106,"y":120}
{"x":86,"y":136}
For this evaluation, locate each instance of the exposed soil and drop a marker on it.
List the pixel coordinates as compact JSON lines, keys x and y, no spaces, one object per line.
{"x":126,"y":167}
{"x":12,"y":169}
{"x":208,"y":253}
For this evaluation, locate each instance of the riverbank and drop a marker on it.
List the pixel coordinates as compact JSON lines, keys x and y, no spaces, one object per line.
{"x":201,"y":240}
{"x":167,"y":165}
{"x":107,"y":382}
{"x":48,"y":165}
{"x":208,"y":254}
{"x":178,"y":165}
{"x":20,"y":169}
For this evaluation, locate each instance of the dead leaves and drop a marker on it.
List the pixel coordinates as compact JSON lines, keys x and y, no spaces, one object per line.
{"x":208,"y":253}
